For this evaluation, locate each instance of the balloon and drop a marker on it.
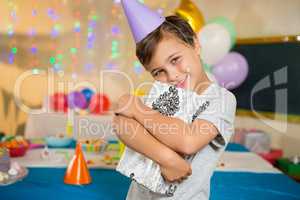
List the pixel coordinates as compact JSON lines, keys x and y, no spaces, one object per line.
{"x":87,"y":93}
{"x":99,"y":104}
{"x":228,"y":25}
{"x":231,"y":71}
{"x":139,"y":92}
{"x":215,"y":43}
{"x":77,"y":100}
{"x":59,"y":102}
{"x":207,"y":67}
{"x":190,"y":12}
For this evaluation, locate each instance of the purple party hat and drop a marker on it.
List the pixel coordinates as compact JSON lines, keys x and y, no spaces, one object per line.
{"x":141,"y":19}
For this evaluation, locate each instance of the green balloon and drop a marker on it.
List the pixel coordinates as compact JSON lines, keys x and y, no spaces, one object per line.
{"x":228,"y":25}
{"x":207,"y":67}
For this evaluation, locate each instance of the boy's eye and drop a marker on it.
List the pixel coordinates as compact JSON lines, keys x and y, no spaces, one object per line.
{"x":175,"y":60}
{"x":157,"y":73}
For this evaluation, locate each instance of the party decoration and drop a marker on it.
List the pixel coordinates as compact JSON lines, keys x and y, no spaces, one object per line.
{"x":77,"y":100}
{"x":99,"y":104}
{"x":88,"y":93}
{"x":191,"y":13}
{"x":215,"y":43}
{"x":228,"y":25}
{"x":206,"y":67}
{"x":59,"y":102}
{"x":139,"y":92}
{"x":231,"y":71}
{"x":77,"y":172}
{"x":141,"y":19}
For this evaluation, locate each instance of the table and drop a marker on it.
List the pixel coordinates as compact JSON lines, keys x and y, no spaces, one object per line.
{"x":259,"y":184}
{"x":47,"y":184}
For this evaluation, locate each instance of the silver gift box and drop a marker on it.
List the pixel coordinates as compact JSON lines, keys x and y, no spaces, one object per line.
{"x":169,"y":101}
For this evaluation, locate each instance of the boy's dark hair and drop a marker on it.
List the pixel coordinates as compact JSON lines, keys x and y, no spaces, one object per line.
{"x":173,"y":25}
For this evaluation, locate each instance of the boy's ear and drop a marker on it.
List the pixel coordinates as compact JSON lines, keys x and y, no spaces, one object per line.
{"x":197,"y":45}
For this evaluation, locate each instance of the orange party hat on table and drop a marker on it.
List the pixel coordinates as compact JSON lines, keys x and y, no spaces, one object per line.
{"x":77,"y":172}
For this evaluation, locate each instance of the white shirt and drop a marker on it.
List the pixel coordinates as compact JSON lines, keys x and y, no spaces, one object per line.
{"x":221,"y":113}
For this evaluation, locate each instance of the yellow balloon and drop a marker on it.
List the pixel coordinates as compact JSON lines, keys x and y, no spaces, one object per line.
{"x":190,"y":12}
{"x":139,"y":92}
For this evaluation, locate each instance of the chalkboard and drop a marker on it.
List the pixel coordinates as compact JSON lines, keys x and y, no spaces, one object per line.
{"x":270,"y":64}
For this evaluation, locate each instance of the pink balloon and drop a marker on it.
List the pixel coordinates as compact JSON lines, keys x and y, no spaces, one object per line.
{"x":231,"y":71}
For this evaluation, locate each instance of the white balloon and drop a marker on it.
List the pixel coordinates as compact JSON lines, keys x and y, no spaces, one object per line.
{"x":215,"y":43}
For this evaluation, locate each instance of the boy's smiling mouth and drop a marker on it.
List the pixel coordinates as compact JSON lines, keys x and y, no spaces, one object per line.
{"x":182,"y":83}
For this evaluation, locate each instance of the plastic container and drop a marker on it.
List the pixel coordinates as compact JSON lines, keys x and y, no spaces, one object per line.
{"x":272,"y":156}
{"x":258,"y":142}
{"x":17,"y":151}
{"x":58,"y":142}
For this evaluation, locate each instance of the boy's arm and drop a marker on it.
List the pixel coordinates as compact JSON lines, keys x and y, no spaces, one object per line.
{"x":175,"y":133}
{"x":134,"y":135}
{"x":137,"y":138}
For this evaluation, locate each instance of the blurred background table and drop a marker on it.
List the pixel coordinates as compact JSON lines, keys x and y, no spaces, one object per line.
{"x":85,"y":126}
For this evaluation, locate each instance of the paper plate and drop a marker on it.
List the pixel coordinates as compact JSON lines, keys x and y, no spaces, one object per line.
{"x":13,"y":179}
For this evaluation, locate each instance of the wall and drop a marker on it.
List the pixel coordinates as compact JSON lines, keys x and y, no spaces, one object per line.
{"x":256,"y":18}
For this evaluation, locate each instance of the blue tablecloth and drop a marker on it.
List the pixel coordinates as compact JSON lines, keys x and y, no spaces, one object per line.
{"x":236,"y":147}
{"x":253,"y":186}
{"x":46,"y":184}
{"x":230,"y":147}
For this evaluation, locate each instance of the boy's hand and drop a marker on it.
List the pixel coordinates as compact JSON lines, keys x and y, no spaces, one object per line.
{"x":176,"y":170}
{"x":128,"y":105}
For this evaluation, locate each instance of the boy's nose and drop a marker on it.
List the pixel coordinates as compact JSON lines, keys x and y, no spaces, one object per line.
{"x":173,"y":74}
{"x":173,"y":77}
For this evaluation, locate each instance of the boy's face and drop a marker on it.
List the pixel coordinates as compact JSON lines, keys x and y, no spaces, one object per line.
{"x":176,"y":63}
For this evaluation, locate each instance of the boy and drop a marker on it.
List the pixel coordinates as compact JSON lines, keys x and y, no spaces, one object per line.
{"x":169,"y":50}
